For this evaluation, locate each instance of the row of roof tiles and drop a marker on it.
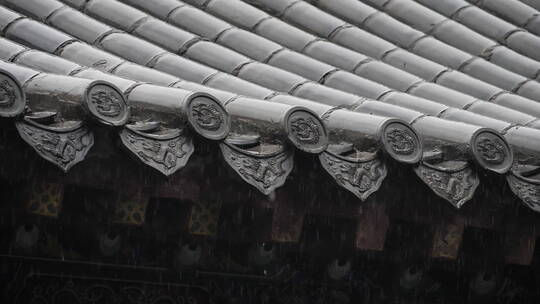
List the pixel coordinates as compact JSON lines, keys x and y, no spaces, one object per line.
{"x":156,"y":67}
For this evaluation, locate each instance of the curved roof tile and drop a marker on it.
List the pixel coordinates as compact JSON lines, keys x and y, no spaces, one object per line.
{"x":488,"y":25}
{"x":372,"y":70}
{"x":429,"y":47}
{"x":455,"y":34}
{"x":520,"y":14}
{"x":352,"y":36}
{"x":280,"y":86}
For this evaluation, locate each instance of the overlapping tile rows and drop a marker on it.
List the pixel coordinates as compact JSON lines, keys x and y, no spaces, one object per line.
{"x":358,"y":83}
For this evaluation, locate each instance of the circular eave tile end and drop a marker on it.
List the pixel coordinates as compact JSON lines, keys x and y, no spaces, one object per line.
{"x":208,"y":117}
{"x":402,"y":142}
{"x":492,"y":151}
{"x":107,"y":104}
{"x":306,"y":131}
{"x":12,"y":97}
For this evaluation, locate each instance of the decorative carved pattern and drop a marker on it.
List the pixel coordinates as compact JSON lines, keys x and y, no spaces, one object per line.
{"x":46,"y":199}
{"x":306,"y":130}
{"x":527,"y":191}
{"x":12,"y":100}
{"x":401,"y":141}
{"x":64,"y":148}
{"x":165,"y":154}
{"x":7,"y":94}
{"x":207,"y":116}
{"x":51,"y":289}
{"x":265,"y":173}
{"x":204,"y":217}
{"x":284,"y":285}
{"x":360,"y":177}
{"x":492,"y":150}
{"x":107,"y":104}
{"x":454,"y":185}
{"x":131,"y":211}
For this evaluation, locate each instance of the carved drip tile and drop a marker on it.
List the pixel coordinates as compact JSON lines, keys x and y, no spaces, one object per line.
{"x":131,"y":211}
{"x":264,"y":171}
{"x":204,"y":217}
{"x":360,"y":176}
{"x":454,"y":181}
{"x":526,"y":188}
{"x":64,"y":144}
{"x":166,"y":150}
{"x":45,"y":199}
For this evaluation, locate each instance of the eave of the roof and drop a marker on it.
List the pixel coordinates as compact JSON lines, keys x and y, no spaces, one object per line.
{"x":450,"y":143}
